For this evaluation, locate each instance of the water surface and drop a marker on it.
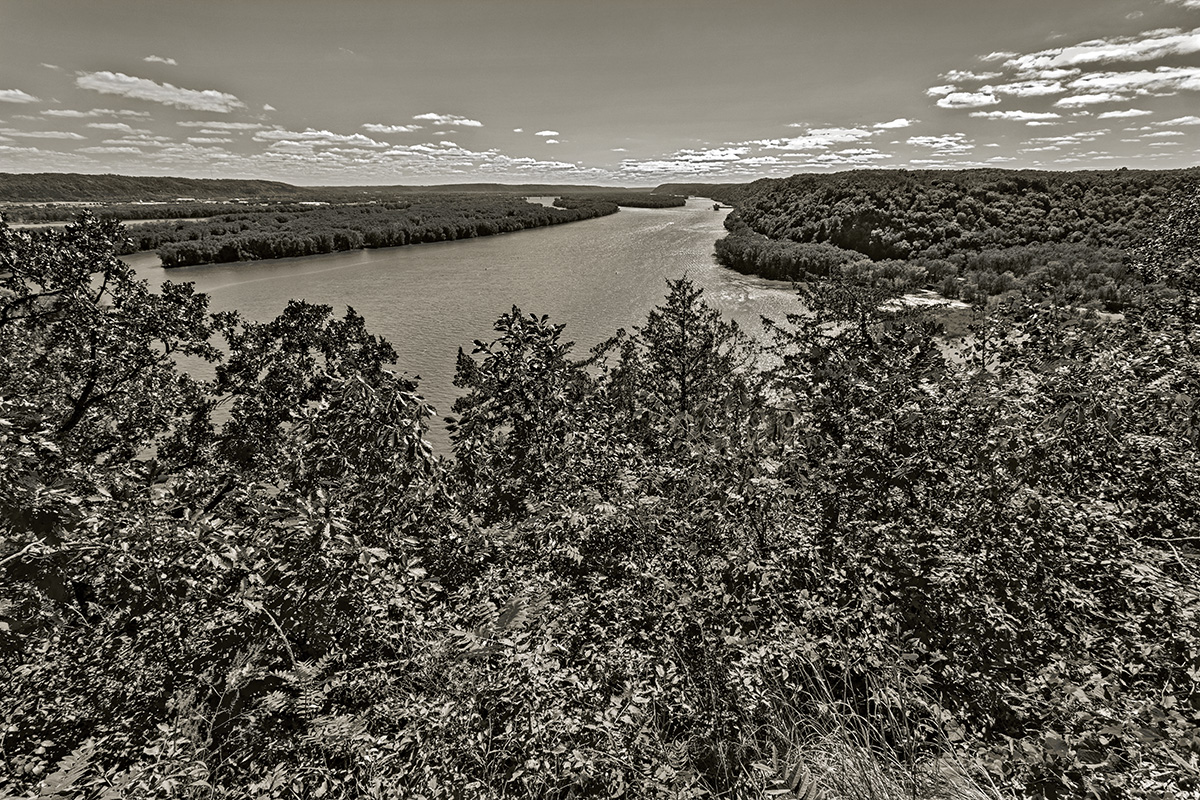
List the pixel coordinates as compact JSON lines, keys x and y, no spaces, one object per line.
{"x":428,"y":300}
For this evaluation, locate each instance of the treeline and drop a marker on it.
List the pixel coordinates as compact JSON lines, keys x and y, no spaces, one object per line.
{"x":625,"y":199}
{"x":62,"y":212}
{"x":969,"y":234}
{"x":852,"y":560}
{"x":314,"y":230}
{"x":730,"y":193}
{"x":43,"y":187}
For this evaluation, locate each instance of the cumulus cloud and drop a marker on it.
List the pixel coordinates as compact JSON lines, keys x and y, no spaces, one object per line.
{"x":118,"y":83}
{"x":1030,"y":88}
{"x":1159,"y":81}
{"x":449,"y":119}
{"x":899,"y":122}
{"x":378,"y":128}
{"x":16,"y":96}
{"x":268,"y":107}
{"x":1163,"y":134}
{"x":938,"y":91}
{"x":1186,"y":3}
{"x":518,"y":130}
{"x":209,"y":139}
{"x":1188,"y":120}
{"x":161,"y":60}
{"x":546,"y":133}
{"x":961,"y":75}
{"x":968,"y":100}
{"x":1128,"y":112}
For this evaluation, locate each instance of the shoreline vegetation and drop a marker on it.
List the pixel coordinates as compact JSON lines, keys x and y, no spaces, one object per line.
{"x":855,"y":557}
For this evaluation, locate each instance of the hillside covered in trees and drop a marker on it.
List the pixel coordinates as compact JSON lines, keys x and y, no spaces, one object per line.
{"x":70,"y":187}
{"x":854,"y":560}
{"x":969,"y":234}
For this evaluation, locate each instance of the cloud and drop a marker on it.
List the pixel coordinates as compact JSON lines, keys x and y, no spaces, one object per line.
{"x":1129,"y":112}
{"x":960,"y":75}
{"x":1186,"y":3}
{"x":1017,"y":116}
{"x":1075,"y":101}
{"x":946,"y":144}
{"x":1147,"y":46}
{"x":51,"y":66}
{"x":119,"y":83}
{"x":817,"y":139}
{"x":268,"y":107}
{"x":309,"y":138}
{"x":938,"y":91}
{"x":1160,"y":81}
{"x":95,"y":112}
{"x":159,"y":59}
{"x":899,"y":122}
{"x":546,"y":133}
{"x":449,"y":119}
{"x":968,"y":100}
{"x":1163,"y":134}
{"x":552,"y":141}
{"x":1030,"y":88}
{"x":40,"y":134}
{"x":115,"y":126}
{"x":109,"y":149}
{"x":209,"y":139}
{"x":377,"y":128}
{"x":17,"y":96}
{"x":223,"y":126}
{"x":1188,"y":120}
{"x":620,"y":150}
{"x":518,"y":130}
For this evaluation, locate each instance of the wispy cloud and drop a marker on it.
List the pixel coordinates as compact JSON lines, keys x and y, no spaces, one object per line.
{"x":946,"y":144}
{"x":449,"y":119}
{"x":378,"y":128}
{"x":310,"y":137}
{"x":161,"y":60}
{"x":115,"y":126}
{"x":16,"y":96}
{"x":223,"y":126}
{"x":118,"y":83}
{"x":1147,"y":46}
{"x":1128,"y":112}
{"x":1017,"y":116}
{"x":968,"y":100}
{"x":95,"y":112}
{"x":19,"y":134}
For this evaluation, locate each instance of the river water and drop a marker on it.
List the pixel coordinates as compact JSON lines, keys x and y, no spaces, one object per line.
{"x":428,"y":300}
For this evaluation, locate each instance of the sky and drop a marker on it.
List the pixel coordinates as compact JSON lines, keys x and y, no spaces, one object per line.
{"x":611,"y":92}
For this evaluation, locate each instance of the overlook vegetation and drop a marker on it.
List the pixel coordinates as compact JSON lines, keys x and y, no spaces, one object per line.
{"x":856,"y":560}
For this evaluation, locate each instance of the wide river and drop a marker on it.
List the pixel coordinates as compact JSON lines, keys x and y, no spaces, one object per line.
{"x":428,"y":300}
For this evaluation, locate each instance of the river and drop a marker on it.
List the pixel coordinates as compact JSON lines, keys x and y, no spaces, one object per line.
{"x":428,"y":300}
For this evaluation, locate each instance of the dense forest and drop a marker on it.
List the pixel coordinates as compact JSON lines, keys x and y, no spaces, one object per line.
{"x":850,"y":558}
{"x":255,"y":233}
{"x":68,"y":187}
{"x":65,"y":212}
{"x":626,"y":199}
{"x":968,"y":234}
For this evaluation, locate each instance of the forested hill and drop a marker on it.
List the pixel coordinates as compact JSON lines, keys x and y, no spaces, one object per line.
{"x":725,"y":192}
{"x":44,"y":187}
{"x":75,"y":187}
{"x":970,"y":233}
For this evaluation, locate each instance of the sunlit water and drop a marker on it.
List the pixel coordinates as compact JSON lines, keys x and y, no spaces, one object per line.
{"x":428,"y":300}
